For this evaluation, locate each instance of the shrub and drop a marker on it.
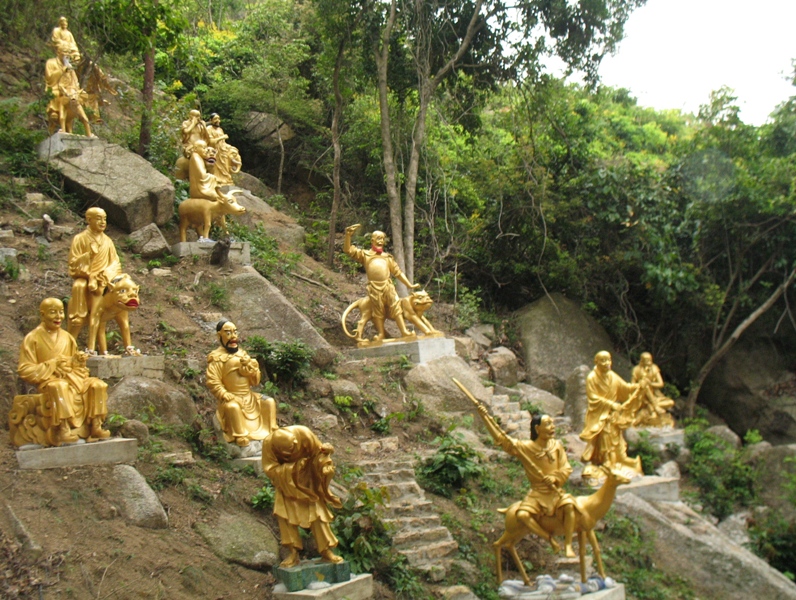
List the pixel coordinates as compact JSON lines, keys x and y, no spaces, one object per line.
{"x":264,"y":499}
{"x":285,"y":362}
{"x":774,"y":539}
{"x":650,"y":456}
{"x":450,"y":468}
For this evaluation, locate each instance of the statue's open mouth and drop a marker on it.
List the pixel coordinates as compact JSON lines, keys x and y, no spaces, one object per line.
{"x":210,"y":161}
{"x":132,"y":303}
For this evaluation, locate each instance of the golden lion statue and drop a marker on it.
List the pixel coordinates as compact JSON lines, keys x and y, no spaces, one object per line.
{"x":414,"y":306}
{"x":121,"y":296}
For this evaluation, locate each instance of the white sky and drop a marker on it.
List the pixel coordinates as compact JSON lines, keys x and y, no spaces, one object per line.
{"x":675,"y":52}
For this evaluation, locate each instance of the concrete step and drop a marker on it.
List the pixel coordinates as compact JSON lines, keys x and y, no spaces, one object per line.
{"x":413,"y":538}
{"x":430,"y":552}
{"x":385,"y":466}
{"x":398,"y":491}
{"x":413,"y":509}
{"x":414,"y":522}
{"x":397,"y":475}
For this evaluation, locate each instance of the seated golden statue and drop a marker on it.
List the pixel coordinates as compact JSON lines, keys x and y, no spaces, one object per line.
{"x":93,"y":263}
{"x":301,"y":469}
{"x":70,"y":405}
{"x":244,"y":415}
{"x":227,"y":156}
{"x":654,"y":411}
{"x":66,"y":103}
{"x":380,"y":267}
{"x":62,"y":38}
{"x":612,"y":407}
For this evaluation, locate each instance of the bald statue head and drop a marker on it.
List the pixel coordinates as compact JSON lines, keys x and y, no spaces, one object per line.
{"x":602,"y":361}
{"x":51,"y":311}
{"x":97,"y":219}
{"x":285,"y":445}
{"x":377,"y":240}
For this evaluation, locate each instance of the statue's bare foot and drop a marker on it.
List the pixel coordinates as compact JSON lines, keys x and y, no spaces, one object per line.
{"x":554,"y":545}
{"x":570,"y":552}
{"x":242,"y":441}
{"x":292,"y":560}
{"x":328,"y":556}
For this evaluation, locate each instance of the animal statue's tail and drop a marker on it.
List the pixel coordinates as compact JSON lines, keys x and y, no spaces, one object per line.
{"x":345,"y":316}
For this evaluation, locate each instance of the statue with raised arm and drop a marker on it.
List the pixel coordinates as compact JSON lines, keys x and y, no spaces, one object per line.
{"x":244,"y":415}
{"x":654,"y":411}
{"x":380,"y":267}
{"x":227,"y":156}
{"x":301,"y":470}
{"x":613,"y":404}
{"x":70,"y":405}
{"x":66,"y":103}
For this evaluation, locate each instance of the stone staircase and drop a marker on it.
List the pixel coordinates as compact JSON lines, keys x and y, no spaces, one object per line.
{"x":418,"y":533}
{"x":513,"y":420}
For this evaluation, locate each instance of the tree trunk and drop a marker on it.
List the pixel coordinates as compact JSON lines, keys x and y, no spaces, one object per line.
{"x":718,"y":354}
{"x":145,"y":136}
{"x":336,"y":116}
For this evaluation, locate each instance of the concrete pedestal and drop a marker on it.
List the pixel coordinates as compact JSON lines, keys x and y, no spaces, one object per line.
{"x":418,"y":351}
{"x":310,"y":571}
{"x":653,"y":488}
{"x":359,"y":587}
{"x":116,"y":367}
{"x":110,"y":451}
{"x":239,"y":252}
{"x":256,"y":462}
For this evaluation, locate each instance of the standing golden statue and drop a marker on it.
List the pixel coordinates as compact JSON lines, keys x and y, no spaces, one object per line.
{"x":382,"y":300}
{"x":613,"y":404}
{"x":62,"y":38}
{"x":301,"y":469}
{"x":654,"y":411}
{"x":227,"y":156}
{"x":244,"y":415}
{"x":66,"y":103}
{"x":70,"y":405}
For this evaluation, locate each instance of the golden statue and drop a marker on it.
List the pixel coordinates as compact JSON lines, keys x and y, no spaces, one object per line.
{"x":380,"y":268}
{"x":96,"y":82}
{"x":227,"y":156}
{"x":120,"y":297}
{"x":63,"y":39}
{"x":613,"y":404}
{"x":413,"y":307}
{"x":66,"y":103}
{"x":243,"y":414}
{"x":93,"y":263}
{"x":193,"y":129}
{"x":654,"y":411}
{"x":70,"y":405}
{"x":301,"y":469}
{"x":547,"y":510}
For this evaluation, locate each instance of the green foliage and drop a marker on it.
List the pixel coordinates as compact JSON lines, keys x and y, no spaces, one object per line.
{"x":9,"y":269}
{"x":753,"y":436}
{"x":17,"y":142}
{"x":651,"y":458}
{"x":266,"y":256}
{"x":451,"y":467}
{"x":467,"y":308}
{"x":285,"y":362}
{"x":167,"y":477}
{"x":264,"y":499}
{"x":219,"y":295}
{"x":723,"y":479}
{"x":774,"y":539}
{"x":114,"y":422}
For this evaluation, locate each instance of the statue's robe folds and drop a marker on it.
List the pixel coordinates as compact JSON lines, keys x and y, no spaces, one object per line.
{"x":70,"y":394}
{"x":94,"y":255}
{"x":241,"y":412}
{"x":602,"y":435}
{"x":302,"y":490}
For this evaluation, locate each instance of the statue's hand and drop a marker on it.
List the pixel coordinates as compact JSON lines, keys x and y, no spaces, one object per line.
{"x":550,"y":481}
{"x":414,"y":286}
{"x":352,"y":228}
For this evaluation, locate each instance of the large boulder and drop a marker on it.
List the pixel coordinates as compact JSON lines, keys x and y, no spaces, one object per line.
{"x":126,"y":186}
{"x":558,"y":336}
{"x":276,"y":224}
{"x":432,"y":383}
{"x":149,"y":242}
{"x":135,"y":397}
{"x":576,"y":403}
{"x":259,"y":308}
{"x":775,"y":467}
{"x":265,"y":130}
{"x":546,"y":402}
{"x":242,"y":539}
{"x":503,"y":366}
{"x":139,"y":504}
{"x":752,"y":387}
{"x":688,"y":546}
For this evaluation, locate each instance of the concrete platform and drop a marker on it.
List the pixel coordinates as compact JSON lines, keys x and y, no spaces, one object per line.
{"x":255,"y":462}
{"x":110,"y":451}
{"x":653,"y":488}
{"x":419,"y":351}
{"x":116,"y":367}
{"x":360,"y":587}
{"x":239,"y":252}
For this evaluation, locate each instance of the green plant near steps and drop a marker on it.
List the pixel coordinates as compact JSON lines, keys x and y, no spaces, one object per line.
{"x":264,"y":499}
{"x":265,"y":253}
{"x":723,"y":479}
{"x":450,"y":468}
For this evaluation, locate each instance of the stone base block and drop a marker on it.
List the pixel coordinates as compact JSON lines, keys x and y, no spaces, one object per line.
{"x":359,"y":587}
{"x":309,"y":571}
{"x":515,"y":590}
{"x":653,"y":488}
{"x":110,"y":451}
{"x":239,"y":252}
{"x":255,"y":462}
{"x":419,"y":351}
{"x":116,"y":367}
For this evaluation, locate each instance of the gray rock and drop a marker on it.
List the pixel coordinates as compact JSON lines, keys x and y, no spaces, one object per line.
{"x":253,"y":184}
{"x":574,"y":445}
{"x":134,"y":428}
{"x":125,"y":185}
{"x":133,"y":396}
{"x":8,"y":256}
{"x":467,"y":348}
{"x":259,"y":308}
{"x":503,"y":365}
{"x":344,"y":387}
{"x":139,"y":504}
{"x":557,"y":337}
{"x":481,"y":334}
{"x":325,"y":422}
{"x":276,"y":224}
{"x":753,"y":451}
{"x":547,"y":402}
{"x":431,"y":381}
{"x":240,"y":538}
{"x":668,"y":469}
{"x":576,"y":403}
{"x":683,"y":458}
{"x":736,"y":527}
{"x":775,"y":467}
{"x":318,"y":387}
{"x":725,"y":433}
{"x":149,"y":242}
{"x":688,"y":546}
{"x":265,"y":130}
